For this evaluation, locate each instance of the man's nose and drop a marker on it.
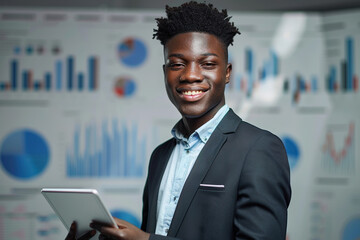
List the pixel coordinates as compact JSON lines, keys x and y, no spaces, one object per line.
{"x":192,"y":73}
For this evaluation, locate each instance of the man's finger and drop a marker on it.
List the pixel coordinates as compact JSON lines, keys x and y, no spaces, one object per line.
{"x":87,"y":235}
{"x":96,"y":226}
{"x":72,"y":232}
{"x":121,"y":223}
{"x":112,"y":232}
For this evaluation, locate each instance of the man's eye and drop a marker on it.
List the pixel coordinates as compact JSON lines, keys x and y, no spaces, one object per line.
{"x":209,"y":64}
{"x":175,"y":65}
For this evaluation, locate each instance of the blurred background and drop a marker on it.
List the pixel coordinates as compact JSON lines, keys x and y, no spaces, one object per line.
{"x":83,"y":104}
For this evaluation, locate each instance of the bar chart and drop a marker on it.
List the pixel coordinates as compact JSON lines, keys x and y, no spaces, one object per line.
{"x":120,"y":154}
{"x":63,"y":77}
{"x":248,"y":80}
{"x":343,"y":77}
{"x":269,"y":71}
{"x":298,"y":84}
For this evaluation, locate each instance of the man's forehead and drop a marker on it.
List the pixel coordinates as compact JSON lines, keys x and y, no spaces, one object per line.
{"x":198,"y":34}
{"x":203,"y":43}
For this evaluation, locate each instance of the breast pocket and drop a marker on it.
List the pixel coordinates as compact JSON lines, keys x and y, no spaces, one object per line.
{"x":212,"y":187}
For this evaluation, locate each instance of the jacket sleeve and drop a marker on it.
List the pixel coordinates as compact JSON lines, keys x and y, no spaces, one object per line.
{"x":264,"y":191}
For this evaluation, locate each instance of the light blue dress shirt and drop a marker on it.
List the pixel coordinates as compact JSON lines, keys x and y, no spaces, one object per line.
{"x":179,"y":166}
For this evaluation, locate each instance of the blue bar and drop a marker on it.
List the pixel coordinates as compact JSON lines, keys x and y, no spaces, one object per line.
{"x":135,"y":142}
{"x":70,"y":75}
{"x":80,"y":81}
{"x":267,"y":69}
{"x":332,"y":79}
{"x":249,"y":68}
{"x":76,"y":151}
{"x":14,"y":74}
{"x":350,"y":63}
{"x":263,"y":73}
{"x":125,"y":150}
{"x":117,"y":150}
{"x":25,"y":78}
{"x":2,"y":86}
{"x":37,"y":86}
{"x":314,"y":84}
{"x":48,"y":81}
{"x":91,"y":73}
{"x":275,"y":63}
{"x":249,"y":60}
{"x":58,"y":74}
{"x":87,"y":151}
{"x":106,"y":150}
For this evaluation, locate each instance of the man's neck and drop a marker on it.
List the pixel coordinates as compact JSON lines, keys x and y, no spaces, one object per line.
{"x":192,"y":124}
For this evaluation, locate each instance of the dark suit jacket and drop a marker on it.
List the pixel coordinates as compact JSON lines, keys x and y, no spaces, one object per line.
{"x":251,"y":164}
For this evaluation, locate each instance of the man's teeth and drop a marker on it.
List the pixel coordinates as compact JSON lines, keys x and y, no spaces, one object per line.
{"x":189,"y":93}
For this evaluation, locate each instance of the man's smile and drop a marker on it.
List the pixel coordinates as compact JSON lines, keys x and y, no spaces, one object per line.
{"x":192,"y":94}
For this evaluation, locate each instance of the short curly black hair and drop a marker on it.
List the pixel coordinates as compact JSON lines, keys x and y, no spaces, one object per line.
{"x":195,"y":17}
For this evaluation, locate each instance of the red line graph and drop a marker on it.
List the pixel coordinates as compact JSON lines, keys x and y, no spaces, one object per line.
{"x":329,"y":146}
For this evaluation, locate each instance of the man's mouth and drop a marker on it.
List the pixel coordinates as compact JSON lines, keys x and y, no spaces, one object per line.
{"x":192,"y":93}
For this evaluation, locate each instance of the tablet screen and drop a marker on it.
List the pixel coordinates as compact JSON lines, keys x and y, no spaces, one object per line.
{"x":80,"y":205}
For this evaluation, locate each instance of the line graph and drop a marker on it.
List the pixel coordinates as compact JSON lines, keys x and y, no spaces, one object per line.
{"x":338,"y":150}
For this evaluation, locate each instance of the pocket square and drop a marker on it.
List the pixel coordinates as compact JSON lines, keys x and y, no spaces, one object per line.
{"x":211,"y":185}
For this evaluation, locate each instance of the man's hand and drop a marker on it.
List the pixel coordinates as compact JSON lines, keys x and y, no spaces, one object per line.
{"x":126,"y":231}
{"x":72,"y":233}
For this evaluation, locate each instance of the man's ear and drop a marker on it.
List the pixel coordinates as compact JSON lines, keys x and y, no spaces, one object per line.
{"x":228,"y":73}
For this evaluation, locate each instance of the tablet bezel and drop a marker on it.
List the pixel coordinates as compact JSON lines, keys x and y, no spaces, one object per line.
{"x":69,"y":195}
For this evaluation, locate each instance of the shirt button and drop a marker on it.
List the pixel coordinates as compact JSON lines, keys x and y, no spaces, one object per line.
{"x":187,"y":151}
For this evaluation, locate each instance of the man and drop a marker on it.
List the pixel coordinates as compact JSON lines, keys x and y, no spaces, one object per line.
{"x":218,"y":177}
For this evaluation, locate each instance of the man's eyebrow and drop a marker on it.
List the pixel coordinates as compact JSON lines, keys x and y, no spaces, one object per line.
{"x":209,"y":54}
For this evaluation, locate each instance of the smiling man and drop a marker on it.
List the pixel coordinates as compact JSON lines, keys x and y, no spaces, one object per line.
{"x":196,"y":72}
{"x":218,"y":177}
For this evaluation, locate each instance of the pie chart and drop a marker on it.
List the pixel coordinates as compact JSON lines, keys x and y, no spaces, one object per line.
{"x":352,"y":230}
{"x":124,"y":87}
{"x":292,"y":150}
{"x":127,"y":216}
{"x":132,"y":52}
{"x":24,"y":154}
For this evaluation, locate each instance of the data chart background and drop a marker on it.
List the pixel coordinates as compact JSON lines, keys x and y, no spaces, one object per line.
{"x":83,"y":104}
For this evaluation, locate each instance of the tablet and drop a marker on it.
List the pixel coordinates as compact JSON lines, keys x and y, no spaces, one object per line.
{"x":80,"y":205}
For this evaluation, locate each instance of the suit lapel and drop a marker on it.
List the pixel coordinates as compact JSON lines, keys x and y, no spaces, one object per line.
{"x":161,"y":164}
{"x":201,"y":167}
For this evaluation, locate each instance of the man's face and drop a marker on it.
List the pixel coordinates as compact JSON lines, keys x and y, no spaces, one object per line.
{"x":196,"y":72}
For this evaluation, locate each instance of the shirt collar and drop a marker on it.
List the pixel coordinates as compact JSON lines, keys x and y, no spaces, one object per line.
{"x":204,"y":132}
